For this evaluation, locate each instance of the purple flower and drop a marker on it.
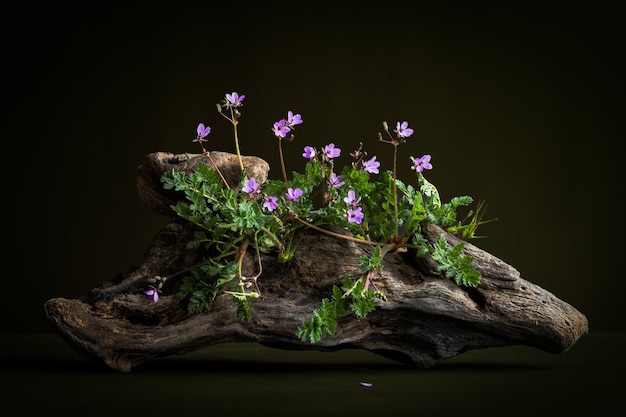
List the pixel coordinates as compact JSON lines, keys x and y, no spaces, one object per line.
{"x":270,"y":203}
{"x":422,"y":163}
{"x":335,"y":180}
{"x":355,"y":215}
{"x":330,"y":151}
{"x":403,"y":129}
{"x":293,"y":119}
{"x":234,"y":99}
{"x":371,"y":165}
{"x":202,"y":131}
{"x":351,"y":199}
{"x":367,"y":384}
{"x":309,"y":152}
{"x":251,"y":186}
{"x":292,"y":194}
{"x":281,"y":129}
{"x":152,"y":293}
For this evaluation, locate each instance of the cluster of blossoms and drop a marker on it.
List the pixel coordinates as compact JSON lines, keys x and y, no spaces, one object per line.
{"x":327,"y":154}
{"x":252,"y":188}
{"x":231,"y":102}
{"x":355,"y":213}
{"x":229,"y":108}
{"x":284,"y":126}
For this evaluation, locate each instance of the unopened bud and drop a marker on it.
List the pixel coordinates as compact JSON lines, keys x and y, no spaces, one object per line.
{"x":385,"y":126}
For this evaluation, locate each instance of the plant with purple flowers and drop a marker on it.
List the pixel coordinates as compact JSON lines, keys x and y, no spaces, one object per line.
{"x":231,"y":104}
{"x":255,"y":218}
{"x":155,"y":284}
{"x":251,"y":187}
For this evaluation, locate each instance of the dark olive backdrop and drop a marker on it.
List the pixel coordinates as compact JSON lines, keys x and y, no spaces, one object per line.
{"x":520,"y":107}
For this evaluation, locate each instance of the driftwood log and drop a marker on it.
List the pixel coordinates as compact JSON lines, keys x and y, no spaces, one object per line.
{"x":425,"y":320}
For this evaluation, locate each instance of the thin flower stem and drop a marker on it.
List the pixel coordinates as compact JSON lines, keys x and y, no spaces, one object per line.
{"x":326,"y":173}
{"x":282,"y":161}
{"x":216,"y":168}
{"x":225,"y":117}
{"x":182,"y":271}
{"x":237,"y":146}
{"x":233,"y":119}
{"x":395,"y":187}
{"x":214,"y":165}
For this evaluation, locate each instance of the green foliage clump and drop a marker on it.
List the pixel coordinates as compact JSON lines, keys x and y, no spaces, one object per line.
{"x":352,"y":296}
{"x":384,"y":212}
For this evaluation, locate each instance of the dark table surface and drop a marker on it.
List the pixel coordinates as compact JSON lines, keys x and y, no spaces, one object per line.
{"x":41,"y":373}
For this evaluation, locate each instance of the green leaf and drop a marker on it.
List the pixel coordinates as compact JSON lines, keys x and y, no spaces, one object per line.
{"x":363,"y":304}
{"x":454,"y":264}
{"x":244,"y":313}
{"x":372,"y":262}
{"x":430,"y":191}
{"x":322,"y":323}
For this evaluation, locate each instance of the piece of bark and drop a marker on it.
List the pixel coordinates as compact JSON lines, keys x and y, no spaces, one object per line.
{"x":425,"y":320}
{"x":150,"y":187}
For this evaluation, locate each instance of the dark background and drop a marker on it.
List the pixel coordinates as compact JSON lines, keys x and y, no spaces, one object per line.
{"x":520,"y":106}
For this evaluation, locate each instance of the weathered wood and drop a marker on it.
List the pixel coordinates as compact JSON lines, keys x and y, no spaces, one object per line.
{"x":150,"y":188}
{"x":425,"y":320}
